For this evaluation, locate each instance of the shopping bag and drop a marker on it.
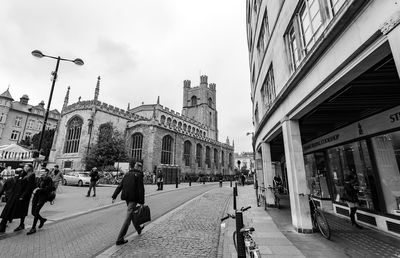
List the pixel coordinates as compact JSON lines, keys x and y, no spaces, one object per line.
{"x":143,"y":215}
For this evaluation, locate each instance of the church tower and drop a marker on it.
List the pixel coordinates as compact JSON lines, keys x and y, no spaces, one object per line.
{"x":199,"y":103}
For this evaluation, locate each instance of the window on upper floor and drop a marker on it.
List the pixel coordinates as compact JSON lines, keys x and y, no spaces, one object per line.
{"x":136,"y":144}
{"x":73,"y":135}
{"x":264,"y":35}
{"x":307,"y":26}
{"x":194,"y":101}
{"x":15,"y":135}
{"x":166,"y":150}
{"x":187,"y":151}
{"x":199,"y":153}
{"x":39,"y":125}
{"x":2,"y":117}
{"x":18,"y":121}
{"x":30,"y":124}
{"x":208,"y":157}
{"x":268,"y":88}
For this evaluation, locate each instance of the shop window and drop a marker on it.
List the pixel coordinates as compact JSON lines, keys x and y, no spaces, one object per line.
{"x":353,"y":159}
{"x":316,"y":174}
{"x":387,"y":154}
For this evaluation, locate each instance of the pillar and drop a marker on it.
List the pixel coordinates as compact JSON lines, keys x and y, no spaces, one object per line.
{"x":392,"y":30}
{"x":268,"y":171}
{"x":299,"y":205}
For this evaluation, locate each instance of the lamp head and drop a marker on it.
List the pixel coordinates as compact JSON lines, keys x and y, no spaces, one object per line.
{"x":78,"y":61}
{"x":37,"y":53}
{"x":249,"y":133}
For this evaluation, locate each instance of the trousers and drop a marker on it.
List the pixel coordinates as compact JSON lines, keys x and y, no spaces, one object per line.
{"x":131,"y":208}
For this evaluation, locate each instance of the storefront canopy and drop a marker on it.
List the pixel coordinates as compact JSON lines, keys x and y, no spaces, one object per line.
{"x":14,"y":152}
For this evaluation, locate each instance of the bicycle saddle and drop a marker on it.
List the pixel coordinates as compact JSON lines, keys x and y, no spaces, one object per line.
{"x":247,"y":229}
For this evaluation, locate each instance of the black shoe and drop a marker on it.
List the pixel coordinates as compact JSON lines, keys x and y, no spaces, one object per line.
{"x":20,"y":227}
{"x":42,"y":222}
{"x":94,"y":195}
{"x":32,"y":231}
{"x":139,"y":231}
{"x":87,"y":195}
{"x":358,"y":226}
{"x":121,"y":242}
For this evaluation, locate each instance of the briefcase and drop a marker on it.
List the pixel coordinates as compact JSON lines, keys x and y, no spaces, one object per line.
{"x":143,"y":215}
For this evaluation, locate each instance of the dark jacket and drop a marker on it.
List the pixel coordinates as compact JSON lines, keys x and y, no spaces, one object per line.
{"x":45,"y":186}
{"x":23,"y":188}
{"x":8,"y":187}
{"x":132,"y":187}
{"x":94,"y":176}
{"x":350,"y":193}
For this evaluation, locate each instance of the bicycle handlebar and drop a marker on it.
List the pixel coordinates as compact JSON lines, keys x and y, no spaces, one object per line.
{"x":224,"y":218}
{"x":245,"y":209}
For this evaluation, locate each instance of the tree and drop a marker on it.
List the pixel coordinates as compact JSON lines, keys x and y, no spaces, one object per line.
{"x":27,"y":143}
{"x":47,"y":142}
{"x":109,"y":148}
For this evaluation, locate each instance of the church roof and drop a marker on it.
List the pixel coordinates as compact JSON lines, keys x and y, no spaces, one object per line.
{"x":7,"y":95}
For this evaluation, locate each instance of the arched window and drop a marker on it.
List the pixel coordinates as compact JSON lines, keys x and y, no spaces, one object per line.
{"x":256,"y":116}
{"x":210,"y":119}
{"x":222,"y":159}
{"x":162,"y":119}
{"x":74,"y":129}
{"x":166,"y":150}
{"x":184,"y":127}
{"x":204,"y":134}
{"x":169,"y":121}
{"x":199,"y":150}
{"x":197,"y":131}
{"x":187,"y":150}
{"x":230,"y":160}
{"x":210,"y":102}
{"x":189,"y":129}
{"x":208,"y":158}
{"x":136,"y":146}
{"x":174,"y":123}
{"x":193,"y":130}
{"x":180,"y":125}
{"x":215,"y":158}
{"x":194,"y":101}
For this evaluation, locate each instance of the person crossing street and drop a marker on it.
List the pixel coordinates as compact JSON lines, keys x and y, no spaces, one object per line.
{"x":94,"y":177}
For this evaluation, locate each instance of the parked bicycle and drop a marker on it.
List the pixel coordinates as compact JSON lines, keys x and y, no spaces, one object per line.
{"x":318,"y":219}
{"x":252,"y":248}
{"x":275,"y":192}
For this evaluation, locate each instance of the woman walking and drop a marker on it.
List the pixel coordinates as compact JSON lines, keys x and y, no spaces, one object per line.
{"x":351,"y":197}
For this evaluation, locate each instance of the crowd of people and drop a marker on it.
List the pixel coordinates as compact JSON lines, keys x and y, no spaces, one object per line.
{"x":18,"y":186}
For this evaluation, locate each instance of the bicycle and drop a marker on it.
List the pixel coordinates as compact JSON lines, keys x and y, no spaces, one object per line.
{"x":275,"y":190}
{"x":318,"y":218}
{"x":252,"y":248}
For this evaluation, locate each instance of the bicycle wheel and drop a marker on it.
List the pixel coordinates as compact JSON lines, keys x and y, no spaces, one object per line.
{"x":323,"y":225}
{"x":234,"y":240}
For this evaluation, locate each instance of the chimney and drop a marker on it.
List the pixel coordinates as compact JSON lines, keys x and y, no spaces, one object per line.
{"x":24,"y":99}
{"x":41,"y":104}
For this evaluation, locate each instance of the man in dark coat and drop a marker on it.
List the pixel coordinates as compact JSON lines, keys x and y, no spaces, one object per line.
{"x":133,"y":193}
{"x":18,"y":204}
{"x":94,"y":177}
{"x":41,"y":196}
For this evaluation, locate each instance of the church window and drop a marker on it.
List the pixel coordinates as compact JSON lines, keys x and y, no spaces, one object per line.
{"x":162,"y":119}
{"x":166,"y":150}
{"x":208,"y":158}
{"x":215,"y":158}
{"x":187,"y":149}
{"x":210,"y":102}
{"x":193,"y":130}
{"x":74,"y":129}
{"x":189,"y":129}
{"x":184,"y":127}
{"x":230,"y":160}
{"x":204,"y":134}
{"x":174,"y":123}
{"x":197,"y":131}
{"x":136,"y":146}
{"x":169,"y":121}
{"x":180,"y":125}
{"x":68,"y":164}
{"x":210,"y":119}
{"x":222,"y":159}
{"x":199,"y":150}
{"x":194,"y":101}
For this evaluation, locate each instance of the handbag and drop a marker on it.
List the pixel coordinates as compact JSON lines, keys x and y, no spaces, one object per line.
{"x":143,"y":215}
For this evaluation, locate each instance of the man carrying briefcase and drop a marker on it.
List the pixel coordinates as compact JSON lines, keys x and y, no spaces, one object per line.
{"x":133,"y":193}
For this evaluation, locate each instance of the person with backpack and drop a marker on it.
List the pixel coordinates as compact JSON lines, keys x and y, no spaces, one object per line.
{"x":44,"y":193}
{"x":94,"y":177}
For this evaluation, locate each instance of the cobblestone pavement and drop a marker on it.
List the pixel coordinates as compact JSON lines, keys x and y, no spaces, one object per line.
{"x":346,"y":241}
{"x":190,"y":231}
{"x":89,"y":234}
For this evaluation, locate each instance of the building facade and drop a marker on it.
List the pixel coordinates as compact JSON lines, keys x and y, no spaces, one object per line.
{"x":19,"y":119}
{"x":158,"y":135}
{"x":325,"y":93}
{"x":246,"y":160}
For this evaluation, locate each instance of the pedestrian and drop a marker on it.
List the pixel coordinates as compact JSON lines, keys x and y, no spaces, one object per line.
{"x":18,"y":204}
{"x":57,"y":177}
{"x":132,"y":188}
{"x":243,"y":178}
{"x":351,"y":197}
{"x":160,"y":180}
{"x":94,"y":177}
{"x":45,"y":192}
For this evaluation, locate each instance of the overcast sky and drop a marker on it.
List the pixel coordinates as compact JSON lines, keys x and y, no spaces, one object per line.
{"x":141,"y":50}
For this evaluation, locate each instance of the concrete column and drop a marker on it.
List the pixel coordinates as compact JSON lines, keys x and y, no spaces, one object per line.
{"x":259,"y":172}
{"x":392,"y":30}
{"x":268,"y":171}
{"x":299,"y":205}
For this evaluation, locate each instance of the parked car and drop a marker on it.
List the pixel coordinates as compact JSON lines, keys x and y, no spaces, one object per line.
{"x":76,"y":178}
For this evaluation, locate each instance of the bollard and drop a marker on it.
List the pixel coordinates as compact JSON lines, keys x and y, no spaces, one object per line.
{"x":236,"y":188}
{"x":230,"y":181}
{"x":190,"y":182}
{"x":220,"y":183}
{"x":176,"y":183}
{"x":204,"y":182}
{"x":234,"y":199}
{"x":241,"y":248}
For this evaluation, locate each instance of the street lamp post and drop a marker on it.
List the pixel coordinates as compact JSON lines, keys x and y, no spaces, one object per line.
{"x":39,"y":54}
